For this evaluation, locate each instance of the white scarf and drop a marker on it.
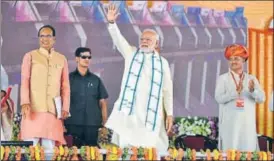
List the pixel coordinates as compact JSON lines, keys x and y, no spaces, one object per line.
{"x":132,"y":80}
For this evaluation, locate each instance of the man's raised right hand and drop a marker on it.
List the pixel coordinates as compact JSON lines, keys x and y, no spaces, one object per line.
{"x":112,"y":13}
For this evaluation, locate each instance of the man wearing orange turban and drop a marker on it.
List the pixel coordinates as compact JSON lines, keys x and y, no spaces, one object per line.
{"x":237,"y":93}
{"x":236,"y":50}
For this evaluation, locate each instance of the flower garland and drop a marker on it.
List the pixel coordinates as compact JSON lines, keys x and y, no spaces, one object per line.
{"x":116,"y":153}
{"x":19,"y":153}
{"x":27,"y":153}
{"x":175,"y":154}
{"x":15,"y":153}
{"x":7,"y":153}
{"x":2,"y":151}
{"x":134,"y":155}
{"x":208,"y":155}
{"x":12,"y":153}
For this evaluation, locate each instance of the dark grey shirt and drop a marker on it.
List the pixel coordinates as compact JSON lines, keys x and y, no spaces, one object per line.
{"x":86,"y":92}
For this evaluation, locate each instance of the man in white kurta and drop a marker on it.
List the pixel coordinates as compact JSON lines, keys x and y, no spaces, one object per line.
{"x":237,"y":120}
{"x":134,"y":129}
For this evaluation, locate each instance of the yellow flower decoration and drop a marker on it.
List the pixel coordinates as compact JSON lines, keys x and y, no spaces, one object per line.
{"x":175,"y":153}
{"x":264,"y":155}
{"x":61,"y":150}
{"x":2,"y":152}
{"x":233,"y":154}
{"x":37,"y":152}
{"x":215,"y":154}
{"x":92,"y":153}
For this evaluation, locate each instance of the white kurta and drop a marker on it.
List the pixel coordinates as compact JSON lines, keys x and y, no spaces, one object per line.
{"x":237,"y":127}
{"x":130,"y":129}
{"x":4,"y":86}
{"x":4,"y":79}
{"x":6,"y":126}
{"x":2,"y":137}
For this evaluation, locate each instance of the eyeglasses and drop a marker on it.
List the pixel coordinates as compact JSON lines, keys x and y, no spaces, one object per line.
{"x":85,"y":57}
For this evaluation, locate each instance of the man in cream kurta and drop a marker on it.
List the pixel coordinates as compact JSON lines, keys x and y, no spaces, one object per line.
{"x":44,"y":77}
{"x":133,"y":129}
{"x":237,"y":117}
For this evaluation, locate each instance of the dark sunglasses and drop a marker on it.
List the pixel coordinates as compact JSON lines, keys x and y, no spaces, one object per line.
{"x":85,"y":57}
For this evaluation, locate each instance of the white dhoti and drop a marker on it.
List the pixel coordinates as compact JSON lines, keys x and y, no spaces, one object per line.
{"x":131,"y":131}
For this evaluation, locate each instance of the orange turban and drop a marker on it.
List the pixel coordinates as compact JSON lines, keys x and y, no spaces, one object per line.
{"x":236,"y":50}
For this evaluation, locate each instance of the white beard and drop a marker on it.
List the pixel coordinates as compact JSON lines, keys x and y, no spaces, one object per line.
{"x":146,"y":50}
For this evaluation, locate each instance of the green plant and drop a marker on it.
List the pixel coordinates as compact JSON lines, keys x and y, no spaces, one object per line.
{"x":194,"y":126}
{"x":15,"y":131}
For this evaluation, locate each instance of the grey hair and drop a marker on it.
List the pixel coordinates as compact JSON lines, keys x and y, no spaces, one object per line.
{"x":153,"y":31}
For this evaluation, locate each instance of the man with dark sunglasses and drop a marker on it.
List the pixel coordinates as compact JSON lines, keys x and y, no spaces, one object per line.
{"x":88,"y":102}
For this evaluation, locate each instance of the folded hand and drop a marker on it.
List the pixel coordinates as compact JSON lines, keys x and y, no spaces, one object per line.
{"x":251,"y":85}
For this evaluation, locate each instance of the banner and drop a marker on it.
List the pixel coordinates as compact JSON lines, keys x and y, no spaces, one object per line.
{"x":137,"y":5}
{"x":158,"y":6}
{"x":194,"y":70}
{"x":65,"y":13}
{"x":24,"y":12}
